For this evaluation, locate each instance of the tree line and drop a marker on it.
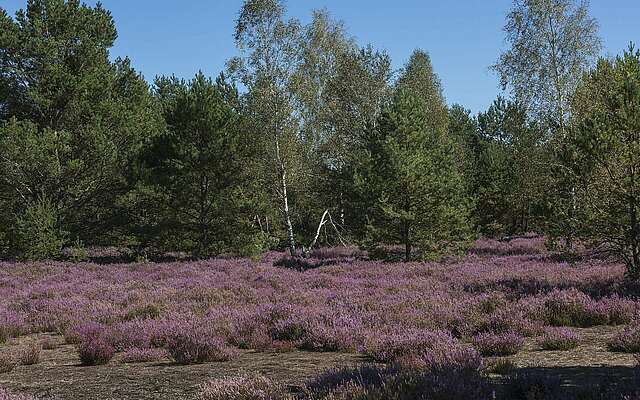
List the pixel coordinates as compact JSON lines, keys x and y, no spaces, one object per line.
{"x":324,"y":142}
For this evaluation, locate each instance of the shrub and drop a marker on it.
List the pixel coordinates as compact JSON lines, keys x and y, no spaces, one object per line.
{"x":558,"y":339}
{"x":78,"y":252}
{"x":337,"y":337}
{"x":508,"y":320}
{"x":292,"y":328}
{"x":7,"y":395}
{"x":251,"y":333}
{"x":7,"y":362}
{"x":137,"y":355}
{"x":81,"y":332}
{"x":39,"y":237}
{"x":626,"y":341}
{"x":567,"y":308}
{"x":439,"y":359}
{"x":498,"y":344}
{"x":144,"y":311}
{"x":30,"y":353}
{"x":246,"y":387}
{"x":196,"y":346}
{"x":333,"y":380}
{"x":377,"y":383}
{"x":12,"y":325}
{"x":391,"y":347}
{"x":501,"y":366}
{"x":95,"y":351}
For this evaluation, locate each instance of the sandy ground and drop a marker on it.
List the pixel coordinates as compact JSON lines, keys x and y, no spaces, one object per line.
{"x":60,"y":375}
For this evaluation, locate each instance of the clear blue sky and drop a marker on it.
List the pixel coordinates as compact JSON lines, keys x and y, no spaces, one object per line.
{"x":463,"y":37}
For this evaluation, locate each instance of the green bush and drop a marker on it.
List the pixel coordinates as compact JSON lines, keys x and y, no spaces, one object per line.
{"x":78,"y":252}
{"x":38,"y":235}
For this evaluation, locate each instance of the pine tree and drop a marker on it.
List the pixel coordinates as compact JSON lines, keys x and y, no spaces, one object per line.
{"x":74,"y":120}
{"x":607,"y":146}
{"x":421,"y":196}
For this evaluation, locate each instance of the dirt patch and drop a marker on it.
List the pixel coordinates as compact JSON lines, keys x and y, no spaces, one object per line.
{"x":590,"y":364}
{"x":59,"y":375}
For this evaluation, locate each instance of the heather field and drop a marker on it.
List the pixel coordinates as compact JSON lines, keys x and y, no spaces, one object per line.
{"x":508,"y":320}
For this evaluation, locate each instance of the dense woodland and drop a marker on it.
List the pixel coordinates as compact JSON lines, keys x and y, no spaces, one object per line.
{"x":311,"y":138}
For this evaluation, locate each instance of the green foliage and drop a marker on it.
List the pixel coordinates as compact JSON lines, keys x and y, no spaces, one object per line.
{"x":89,"y":151}
{"x":607,"y":145}
{"x":420,"y":194}
{"x":510,"y":170}
{"x":78,"y":252}
{"x":74,"y":120}
{"x":195,"y":171}
{"x":38,"y":234}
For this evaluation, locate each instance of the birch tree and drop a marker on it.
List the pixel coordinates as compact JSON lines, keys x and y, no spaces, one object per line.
{"x":270,"y":54}
{"x":551,"y":44}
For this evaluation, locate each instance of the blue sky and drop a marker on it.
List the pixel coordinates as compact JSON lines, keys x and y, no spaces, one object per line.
{"x":464,"y":37}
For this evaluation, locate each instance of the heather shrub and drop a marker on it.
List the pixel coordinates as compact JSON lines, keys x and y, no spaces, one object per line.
{"x":292,"y":328}
{"x":492,"y":302}
{"x":558,"y":339}
{"x":375,"y":383}
{"x":196,"y":346}
{"x":508,"y":320}
{"x":498,"y":344}
{"x":455,"y":357}
{"x":611,"y":311}
{"x":248,"y":332}
{"x":566,"y":308}
{"x":245,"y":387}
{"x":95,"y":351}
{"x":331,"y":382}
{"x":443,"y":385}
{"x":136,"y":355}
{"x":391,"y":347}
{"x":12,"y":325}
{"x":500,"y":366}
{"x":626,"y":341}
{"x":137,"y":333}
{"x":78,"y":333}
{"x":336,"y":337}
{"x":144,"y":311}
{"x":7,"y":362}
{"x":5,"y":394}
{"x":29,"y":354}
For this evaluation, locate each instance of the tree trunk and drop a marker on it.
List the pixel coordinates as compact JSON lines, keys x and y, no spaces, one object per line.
{"x":287,"y":216}
{"x":285,"y":199}
{"x":633,"y":220}
{"x":407,"y":245}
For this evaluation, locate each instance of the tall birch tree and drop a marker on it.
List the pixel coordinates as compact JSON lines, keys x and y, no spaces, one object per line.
{"x":270,"y":53}
{"x":551,"y":44}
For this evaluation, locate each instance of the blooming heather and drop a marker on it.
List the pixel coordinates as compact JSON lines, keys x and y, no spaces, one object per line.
{"x":628,"y":340}
{"x":244,"y":387}
{"x":558,"y":339}
{"x":5,"y":394}
{"x":135,"y":355}
{"x":498,"y":344}
{"x":95,"y":351}
{"x":198,"y":346}
{"x":343,"y":303}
